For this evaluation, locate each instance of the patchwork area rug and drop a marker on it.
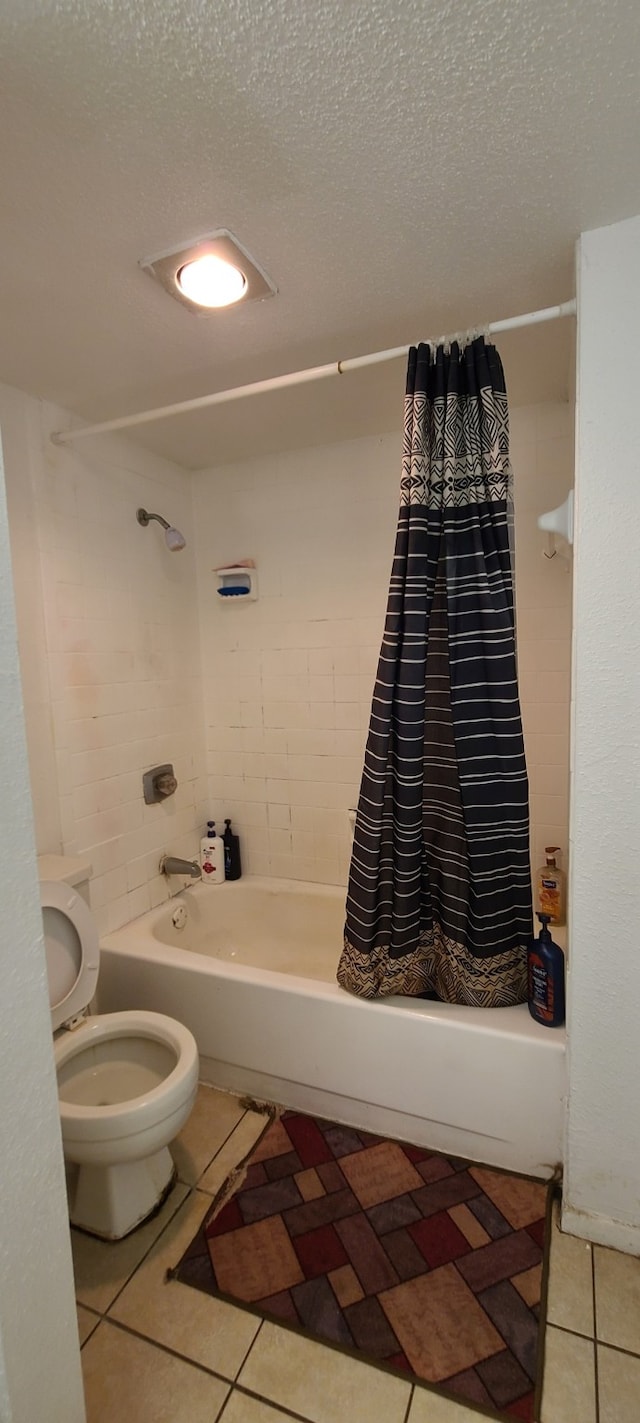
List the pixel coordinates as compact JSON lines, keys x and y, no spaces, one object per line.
{"x":423,"y":1263}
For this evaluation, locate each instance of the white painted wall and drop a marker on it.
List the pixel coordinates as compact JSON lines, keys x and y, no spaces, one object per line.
{"x":39,"y":1355}
{"x":288,"y":679}
{"x":109,"y":652}
{"x":20,"y":440}
{"x":602,"y":1186}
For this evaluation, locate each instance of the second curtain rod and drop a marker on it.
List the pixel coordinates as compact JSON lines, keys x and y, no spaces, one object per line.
{"x":263,"y":387}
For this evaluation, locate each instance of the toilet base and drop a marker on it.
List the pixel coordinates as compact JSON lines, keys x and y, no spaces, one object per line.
{"x":110,"y":1201}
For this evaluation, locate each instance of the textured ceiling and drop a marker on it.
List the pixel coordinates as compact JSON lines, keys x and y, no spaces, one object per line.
{"x":399,"y":169}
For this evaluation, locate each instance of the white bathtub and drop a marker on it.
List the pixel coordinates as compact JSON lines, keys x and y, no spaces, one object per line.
{"x":252,"y":974}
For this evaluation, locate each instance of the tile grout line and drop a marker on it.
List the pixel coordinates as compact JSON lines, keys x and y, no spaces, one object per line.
{"x":222,"y":1144}
{"x":97,"y":1320}
{"x":242,"y":1364}
{"x":218,"y":1418}
{"x":408,"y":1410}
{"x":270,"y":1402}
{"x":166,"y":1349}
{"x":566,"y":1329}
{"x":617,"y":1348}
{"x":591,"y":1339}
{"x":595,"y":1335}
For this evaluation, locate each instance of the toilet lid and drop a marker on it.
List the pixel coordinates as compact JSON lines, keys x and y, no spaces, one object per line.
{"x":72,"y":950}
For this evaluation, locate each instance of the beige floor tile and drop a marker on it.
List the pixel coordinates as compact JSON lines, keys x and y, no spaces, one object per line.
{"x":240,"y":1408}
{"x":204,"y":1329}
{"x":569,"y":1393}
{"x":618,"y":1386}
{"x":432,"y":1408}
{"x":214,"y":1116}
{"x":321,"y":1384}
{"x":570,"y":1299}
{"x":618,"y":1299}
{"x":127,"y":1378}
{"x":234,"y":1151}
{"x":87,"y":1321}
{"x":102,"y":1267}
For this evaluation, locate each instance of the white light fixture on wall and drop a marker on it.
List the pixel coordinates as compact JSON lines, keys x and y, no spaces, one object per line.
{"x":558,"y":526}
{"x":209,"y":273}
{"x":560,"y":520}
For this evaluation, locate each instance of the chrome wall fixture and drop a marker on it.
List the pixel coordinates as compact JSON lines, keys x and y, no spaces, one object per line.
{"x":158,"y":783}
{"x":173,"y":538}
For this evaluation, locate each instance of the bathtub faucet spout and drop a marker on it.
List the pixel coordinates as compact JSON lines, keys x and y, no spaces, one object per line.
{"x":170,"y":865}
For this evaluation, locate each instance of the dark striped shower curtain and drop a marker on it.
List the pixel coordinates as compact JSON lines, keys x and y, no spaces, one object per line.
{"x":439,"y":898}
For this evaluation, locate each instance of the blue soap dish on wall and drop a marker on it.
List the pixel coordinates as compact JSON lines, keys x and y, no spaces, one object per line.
{"x":239,"y":584}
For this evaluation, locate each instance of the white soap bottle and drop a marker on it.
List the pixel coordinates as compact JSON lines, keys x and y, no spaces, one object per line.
{"x":212,"y":856}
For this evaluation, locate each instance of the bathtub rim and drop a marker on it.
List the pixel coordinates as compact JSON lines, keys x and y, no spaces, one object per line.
{"x":137,"y":937}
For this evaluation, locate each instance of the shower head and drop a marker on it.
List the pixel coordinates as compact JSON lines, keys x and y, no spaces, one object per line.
{"x":173,"y":538}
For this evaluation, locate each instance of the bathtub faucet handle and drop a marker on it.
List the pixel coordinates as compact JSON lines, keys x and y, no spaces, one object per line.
{"x":171,"y":865}
{"x":166,"y":785}
{"x":158,"y":783}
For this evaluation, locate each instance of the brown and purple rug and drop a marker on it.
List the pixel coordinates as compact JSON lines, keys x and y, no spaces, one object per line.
{"x":419,"y":1262}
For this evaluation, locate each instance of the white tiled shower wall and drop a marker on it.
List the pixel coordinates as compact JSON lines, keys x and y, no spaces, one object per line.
{"x":288,"y":679}
{"x":109,"y":652}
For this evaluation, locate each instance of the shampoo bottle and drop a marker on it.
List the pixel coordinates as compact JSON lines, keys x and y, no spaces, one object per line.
{"x":545,"y":967}
{"x":232,"y":865}
{"x":212,"y":856}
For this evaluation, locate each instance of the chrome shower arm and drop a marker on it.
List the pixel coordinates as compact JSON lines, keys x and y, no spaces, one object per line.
{"x":144,"y":517}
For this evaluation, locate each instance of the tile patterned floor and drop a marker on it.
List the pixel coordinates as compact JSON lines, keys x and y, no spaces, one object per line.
{"x":422,"y":1262}
{"x":148,"y":1353}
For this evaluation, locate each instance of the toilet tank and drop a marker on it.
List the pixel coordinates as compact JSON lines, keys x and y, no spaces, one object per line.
{"x":74,"y":870}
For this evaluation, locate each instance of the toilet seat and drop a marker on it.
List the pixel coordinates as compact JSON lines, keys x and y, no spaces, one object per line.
{"x":72,"y":951}
{"x":124,"y":1119}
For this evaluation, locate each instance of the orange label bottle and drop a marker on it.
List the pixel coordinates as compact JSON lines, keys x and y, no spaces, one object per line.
{"x":550,"y":888}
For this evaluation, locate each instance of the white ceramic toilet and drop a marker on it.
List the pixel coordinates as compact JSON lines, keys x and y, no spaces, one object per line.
{"x":126,"y":1081}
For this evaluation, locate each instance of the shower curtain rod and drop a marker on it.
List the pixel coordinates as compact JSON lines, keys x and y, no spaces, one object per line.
{"x":263,"y":387}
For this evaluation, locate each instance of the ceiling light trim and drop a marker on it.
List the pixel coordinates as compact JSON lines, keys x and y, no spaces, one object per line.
{"x":165,"y":267}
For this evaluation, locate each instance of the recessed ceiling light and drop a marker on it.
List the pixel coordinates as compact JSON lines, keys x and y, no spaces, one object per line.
{"x":210,"y":272}
{"x":211,"y":282}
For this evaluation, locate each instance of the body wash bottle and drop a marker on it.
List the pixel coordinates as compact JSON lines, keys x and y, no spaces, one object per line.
{"x":550,"y":887}
{"x":232,"y":863}
{"x":545,"y":968}
{"x":212,"y":856}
